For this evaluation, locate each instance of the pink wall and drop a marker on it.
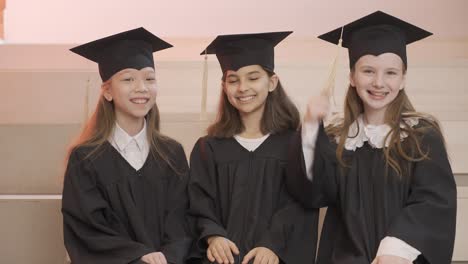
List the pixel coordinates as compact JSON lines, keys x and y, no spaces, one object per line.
{"x":77,"y":21}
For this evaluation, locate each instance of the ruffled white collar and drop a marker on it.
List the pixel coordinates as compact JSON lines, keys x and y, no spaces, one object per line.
{"x":359,"y":133}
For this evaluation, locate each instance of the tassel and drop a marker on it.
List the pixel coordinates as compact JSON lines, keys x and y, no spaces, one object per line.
{"x":86,"y":102}
{"x":204,"y":88}
{"x":329,"y":88}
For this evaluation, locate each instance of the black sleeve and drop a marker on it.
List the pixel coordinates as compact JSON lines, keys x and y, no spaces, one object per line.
{"x":92,"y":231}
{"x":428,"y":220}
{"x":202,"y":193}
{"x":177,"y":237}
{"x":322,"y":190}
{"x":292,"y":233}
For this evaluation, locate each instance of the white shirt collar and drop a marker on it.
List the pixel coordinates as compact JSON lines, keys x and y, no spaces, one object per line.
{"x":251,"y":140}
{"x":375,"y":135}
{"x":121,"y":138}
{"x":251,"y":144}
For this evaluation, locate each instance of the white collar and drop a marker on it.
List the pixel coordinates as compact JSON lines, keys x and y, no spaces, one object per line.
{"x":375,"y":135}
{"x":251,"y":144}
{"x":121,"y":138}
{"x":251,"y":140}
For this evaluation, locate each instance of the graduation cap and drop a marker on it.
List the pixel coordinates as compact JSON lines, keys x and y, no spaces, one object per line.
{"x":236,"y":51}
{"x":376,"y":34}
{"x":130,"y":49}
{"x":239,"y":50}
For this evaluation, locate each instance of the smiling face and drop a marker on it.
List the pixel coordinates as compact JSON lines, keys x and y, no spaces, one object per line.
{"x":247,"y":88}
{"x":133,"y":93}
{"x":378,"y":80}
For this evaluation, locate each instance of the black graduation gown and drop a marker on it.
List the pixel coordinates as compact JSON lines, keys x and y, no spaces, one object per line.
{"x":364,"y":206}
{"x":241,"y":195}
{"x":115,"y":214}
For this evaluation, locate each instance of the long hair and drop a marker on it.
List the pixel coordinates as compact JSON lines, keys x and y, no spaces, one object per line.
{"x":100,"y":125}
{"x":280,"y":114}
{"x":399,"y":154}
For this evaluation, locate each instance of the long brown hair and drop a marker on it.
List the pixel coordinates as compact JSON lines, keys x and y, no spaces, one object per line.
{"x":100,"y":126}
{"x":280,"y":114}
{"x":399,"y":154}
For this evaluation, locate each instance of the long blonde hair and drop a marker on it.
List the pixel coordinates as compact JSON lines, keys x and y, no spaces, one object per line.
{"x":399,"y":154}
{"x":100,"y":125}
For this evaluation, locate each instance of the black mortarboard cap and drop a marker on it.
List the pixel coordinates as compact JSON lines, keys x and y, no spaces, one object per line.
{"x":376,"y":34}
{"x":130,"y":49}
{"x":236,"y":51}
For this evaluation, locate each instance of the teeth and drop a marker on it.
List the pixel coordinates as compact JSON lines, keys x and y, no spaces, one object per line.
{"x":139,"y":101}
{"x":378,"y":93}
{"x":246,"y":98}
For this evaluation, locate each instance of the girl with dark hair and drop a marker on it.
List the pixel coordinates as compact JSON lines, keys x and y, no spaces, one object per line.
{"x":237,"y":193}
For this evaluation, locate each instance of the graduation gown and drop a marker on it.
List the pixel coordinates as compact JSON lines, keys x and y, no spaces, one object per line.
{"x":241,"y":195}
{"x":115,"y":214}
{"x":364,"y":205}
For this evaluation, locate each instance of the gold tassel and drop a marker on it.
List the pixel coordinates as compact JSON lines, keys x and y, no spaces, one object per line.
{"x":204,"y":87}
{"x":329,"y":88}
{"x":86,"y":102}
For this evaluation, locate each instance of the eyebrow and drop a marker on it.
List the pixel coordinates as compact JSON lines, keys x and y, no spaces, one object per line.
{"x":372,"y":67}
{"x":394,"y":69}
{"x":231,"y":75}
{"x":236,"y":76}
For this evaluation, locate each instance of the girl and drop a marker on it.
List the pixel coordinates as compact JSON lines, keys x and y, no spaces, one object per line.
{"x":383,"y":169}
{"x":124,"y":195}
{"x":236,"y":190}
